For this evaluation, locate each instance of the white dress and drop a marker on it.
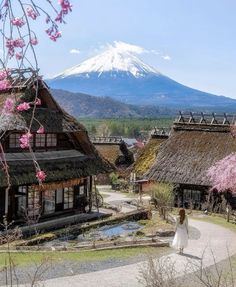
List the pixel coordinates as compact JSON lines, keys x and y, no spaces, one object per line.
{"x":181,"y":234}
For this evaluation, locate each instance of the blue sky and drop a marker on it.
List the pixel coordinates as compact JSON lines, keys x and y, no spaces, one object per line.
{"x":199,"y":38}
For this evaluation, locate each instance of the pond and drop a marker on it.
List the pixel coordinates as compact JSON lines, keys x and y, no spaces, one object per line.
{"x":100,"y":233}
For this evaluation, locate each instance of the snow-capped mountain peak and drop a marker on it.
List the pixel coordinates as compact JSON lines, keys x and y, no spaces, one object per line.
{"x":119,"y":57}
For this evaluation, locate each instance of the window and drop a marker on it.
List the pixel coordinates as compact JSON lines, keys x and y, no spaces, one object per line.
{"x":51,"y":140}
{"x":14,"y":140}
{"x":40,"y":140}
{"x":33,"y":202}
{"x":68,"y":197}
{"x":21,"y":200}
{"x":81,"y":190}
{"x":59,"y":197}
{"x":49,"y":201}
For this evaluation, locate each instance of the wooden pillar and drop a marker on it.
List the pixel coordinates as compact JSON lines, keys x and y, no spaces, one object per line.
{"x":2,"y":203}
{"x":90,"y":193}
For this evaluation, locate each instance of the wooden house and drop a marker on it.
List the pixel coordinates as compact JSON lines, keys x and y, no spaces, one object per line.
{"x":64,"y":152}
{"x":116,"y":152}
{"x":146,"y":157}
{"x":195,"y":144}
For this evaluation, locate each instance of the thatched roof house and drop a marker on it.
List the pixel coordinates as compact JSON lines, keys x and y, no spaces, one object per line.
{"x":115,"y":150}
{"x":194,"y":145}
{"x":146,"y":156}
{"x":64,"y":151}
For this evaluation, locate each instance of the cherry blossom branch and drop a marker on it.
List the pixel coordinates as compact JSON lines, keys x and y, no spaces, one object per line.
{"x":18,"y":46}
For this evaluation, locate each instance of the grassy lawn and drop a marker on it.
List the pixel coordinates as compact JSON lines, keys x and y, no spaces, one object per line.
{"x":29,"y":258}
{"x":151,"y":226}
{"x":215,"y":219}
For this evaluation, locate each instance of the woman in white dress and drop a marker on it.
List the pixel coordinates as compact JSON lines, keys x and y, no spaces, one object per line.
{"x":181,"y":232}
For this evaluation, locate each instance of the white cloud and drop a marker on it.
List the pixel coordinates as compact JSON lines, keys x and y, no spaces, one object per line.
{"x":128,"y":47}
{"x":74,"y":51}
{"x":134,"y":49}
{"x":166,"y":57}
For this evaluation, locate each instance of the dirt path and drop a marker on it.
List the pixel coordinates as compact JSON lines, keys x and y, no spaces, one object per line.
{"x":213,"y":238}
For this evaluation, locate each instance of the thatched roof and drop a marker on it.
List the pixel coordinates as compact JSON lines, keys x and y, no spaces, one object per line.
{"x":59,"y":166}
{"x":189,"y":152}
{"x":147,"y":155}
{"x":117,"y":153}
{"x":50,"y":114}
{"x":87,"y":161}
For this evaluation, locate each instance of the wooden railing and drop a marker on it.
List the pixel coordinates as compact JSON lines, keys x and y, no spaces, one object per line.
{"x":106,"y":140}
{"x":205,"y":119}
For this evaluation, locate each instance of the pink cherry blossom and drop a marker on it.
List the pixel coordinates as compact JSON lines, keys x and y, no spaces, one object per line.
{"x":31,"y":13}
{"x":54,"y":36}
{"x":41,"y":175}
{"x":38,"y":102}
{"x":41,"y":130}
{"x":66,"y":7}
{"x":23,"y":107}
{"x":4,"y":74}
{"x":4,"y":85}
{"x":19,"y":43}
{"x":19,"y":56}
{"x":11,"y":44}
{"x":223,"y":174}
{"x":34,"y":41}
{"x":25,"y":140}
{"x":19,"y":22}
{"x":9,"y":106}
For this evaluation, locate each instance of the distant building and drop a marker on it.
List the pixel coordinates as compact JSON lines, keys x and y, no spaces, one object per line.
{"x":64,"y":152}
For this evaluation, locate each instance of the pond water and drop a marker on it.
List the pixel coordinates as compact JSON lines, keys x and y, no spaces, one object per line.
{"x":108,"y":231}
{"x":101,"y":233}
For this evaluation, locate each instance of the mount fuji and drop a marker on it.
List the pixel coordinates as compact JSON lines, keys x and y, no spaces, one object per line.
{"x":120,"y":74}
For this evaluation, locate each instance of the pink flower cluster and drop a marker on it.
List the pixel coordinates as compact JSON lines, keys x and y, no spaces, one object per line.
{"x":19,"y":56}
{"x":66,"y":7}
{"x":41,"y":130}
{"x":3,"y":74}
{"x":4,"y":85}
{"x":223,"y":174}
{"x":38,"y":102}
{"x":9,"y":106}
{"x":11,"y":44}
{"x":53,"y":34}
{"x":25,"y":140}
{"x":23,"y":107}
{"x":41,"y":175}
{"x":19,"y":22}
{"x":34,"y":41}
{"x":31,"y":13}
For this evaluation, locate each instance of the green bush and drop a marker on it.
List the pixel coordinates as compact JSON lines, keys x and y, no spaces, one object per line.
{"x":161,"y":195}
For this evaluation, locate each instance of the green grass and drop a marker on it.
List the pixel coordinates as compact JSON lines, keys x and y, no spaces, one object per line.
{"x":215,"y":219}
{"x":29,"y":258}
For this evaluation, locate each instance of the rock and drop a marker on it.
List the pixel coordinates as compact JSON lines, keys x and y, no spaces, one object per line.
{"x":165,"y":233}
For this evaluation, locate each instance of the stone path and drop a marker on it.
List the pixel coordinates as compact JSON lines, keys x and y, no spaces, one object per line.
{"x":213,"y":238}
{"x":119,"y":199}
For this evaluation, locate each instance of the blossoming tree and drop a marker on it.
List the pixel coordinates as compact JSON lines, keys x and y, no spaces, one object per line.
{"x":223,"y":174}
{"x":17,"y":18}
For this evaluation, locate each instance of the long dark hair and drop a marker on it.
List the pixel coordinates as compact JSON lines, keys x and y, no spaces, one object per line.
{"x":182,"y":215}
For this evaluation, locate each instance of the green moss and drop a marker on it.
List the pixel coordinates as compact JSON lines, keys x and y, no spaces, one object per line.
{"x":147,"y":156}
{"x":36,"y":239}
